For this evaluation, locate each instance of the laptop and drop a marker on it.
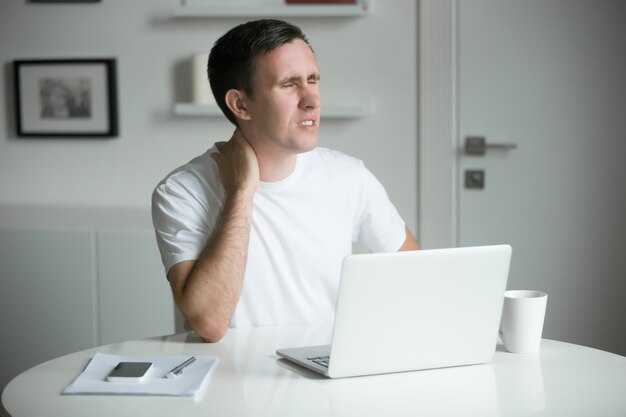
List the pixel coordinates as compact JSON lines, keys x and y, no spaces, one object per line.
{"x":408,"y":311}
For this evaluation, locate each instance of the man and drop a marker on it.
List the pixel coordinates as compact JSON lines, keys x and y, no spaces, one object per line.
{"x":253,"y":232}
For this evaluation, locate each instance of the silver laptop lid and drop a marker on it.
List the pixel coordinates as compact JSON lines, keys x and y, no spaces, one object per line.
{"x":418,"y":310}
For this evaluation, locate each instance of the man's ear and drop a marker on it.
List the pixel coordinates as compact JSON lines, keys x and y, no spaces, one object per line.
{"x":237,"y":101}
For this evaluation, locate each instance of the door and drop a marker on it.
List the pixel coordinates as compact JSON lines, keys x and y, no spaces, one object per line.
{"x":550,"y":78}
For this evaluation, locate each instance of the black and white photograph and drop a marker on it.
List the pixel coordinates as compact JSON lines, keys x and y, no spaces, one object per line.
{"x":66,"y":97}
{"x":63,"y":98}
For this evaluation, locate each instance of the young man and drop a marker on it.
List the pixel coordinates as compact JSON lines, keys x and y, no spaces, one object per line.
{"x":253,"y":232}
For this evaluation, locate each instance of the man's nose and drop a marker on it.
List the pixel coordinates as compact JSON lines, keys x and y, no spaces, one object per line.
{"x":310,"y":98}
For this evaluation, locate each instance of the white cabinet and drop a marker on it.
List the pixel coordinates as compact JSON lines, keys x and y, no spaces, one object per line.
{"x":134,"y":297}
{"x":47,"y":294}
{"x":64,"y":289}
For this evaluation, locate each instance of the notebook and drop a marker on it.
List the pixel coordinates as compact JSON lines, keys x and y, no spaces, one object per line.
{"x":415,"y":310}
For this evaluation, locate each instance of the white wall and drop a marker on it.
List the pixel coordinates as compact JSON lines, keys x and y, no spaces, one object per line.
{"x":376,"y":54}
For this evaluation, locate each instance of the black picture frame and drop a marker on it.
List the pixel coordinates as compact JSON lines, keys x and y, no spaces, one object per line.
{"x":66,"y":97}
{"x":65,"y":1}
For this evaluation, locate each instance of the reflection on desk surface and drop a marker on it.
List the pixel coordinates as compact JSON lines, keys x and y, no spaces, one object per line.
{"x":563,"y":380}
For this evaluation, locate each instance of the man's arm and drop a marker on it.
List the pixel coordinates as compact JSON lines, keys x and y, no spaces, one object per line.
{"x":207,"y":290}
{"x":409,"y":243}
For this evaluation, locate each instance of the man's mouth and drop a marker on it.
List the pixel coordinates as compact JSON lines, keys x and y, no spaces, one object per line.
{"x":306,"y":123}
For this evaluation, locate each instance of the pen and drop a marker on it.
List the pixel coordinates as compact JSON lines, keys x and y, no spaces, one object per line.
{"x":176,"y":371}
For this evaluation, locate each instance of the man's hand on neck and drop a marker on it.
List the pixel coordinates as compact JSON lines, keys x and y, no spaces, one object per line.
{"x":274,"y":162}
{"x":238,"y":164}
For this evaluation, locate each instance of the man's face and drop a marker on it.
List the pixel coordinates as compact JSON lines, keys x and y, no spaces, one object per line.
{"x":285,"y":107}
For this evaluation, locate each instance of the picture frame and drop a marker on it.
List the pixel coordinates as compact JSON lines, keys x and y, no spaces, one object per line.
{"x":66,"y":97}
{"x":65,"y":1}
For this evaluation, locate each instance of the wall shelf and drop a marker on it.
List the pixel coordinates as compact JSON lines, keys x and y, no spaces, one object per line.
{"x":340,"y":107}
{"x":335,"y":107}
{"x":359,"y":9}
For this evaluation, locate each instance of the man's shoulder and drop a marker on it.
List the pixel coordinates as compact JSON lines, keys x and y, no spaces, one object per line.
{"x":201,"y":171}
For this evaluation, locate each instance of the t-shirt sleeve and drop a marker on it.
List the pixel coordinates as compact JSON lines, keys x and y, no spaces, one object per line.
{"x":183,"y":220}
{"x":379,"y":226}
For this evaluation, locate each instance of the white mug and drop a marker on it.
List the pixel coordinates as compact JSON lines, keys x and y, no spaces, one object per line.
{"x":523,"y":315}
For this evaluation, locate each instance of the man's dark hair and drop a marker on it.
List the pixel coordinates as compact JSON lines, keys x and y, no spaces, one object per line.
{"x":232,"y":58}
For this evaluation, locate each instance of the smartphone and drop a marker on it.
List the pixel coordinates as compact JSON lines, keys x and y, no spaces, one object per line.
{"x":129,"y":372}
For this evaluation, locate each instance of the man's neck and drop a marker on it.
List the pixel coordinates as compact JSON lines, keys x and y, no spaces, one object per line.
{"x":276,"y":168}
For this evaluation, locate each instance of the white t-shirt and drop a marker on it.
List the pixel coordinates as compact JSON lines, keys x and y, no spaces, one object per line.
{"x":302,"y":228}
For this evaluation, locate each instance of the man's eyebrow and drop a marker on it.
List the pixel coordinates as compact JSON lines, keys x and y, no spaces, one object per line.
{"x":296,"y":79}
{"x":288,"y":80}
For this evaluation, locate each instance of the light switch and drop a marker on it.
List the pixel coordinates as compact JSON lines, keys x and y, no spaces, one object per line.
{"x":475,"y":178}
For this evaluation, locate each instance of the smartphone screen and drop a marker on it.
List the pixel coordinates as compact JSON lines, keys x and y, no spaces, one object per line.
{"x":129,"y":371}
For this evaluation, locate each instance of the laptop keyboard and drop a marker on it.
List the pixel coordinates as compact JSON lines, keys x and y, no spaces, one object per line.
{"x":320,"y":360}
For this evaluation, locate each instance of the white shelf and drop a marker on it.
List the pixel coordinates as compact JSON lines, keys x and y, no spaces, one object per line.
{"x":361,"y":8}
{"x":345,"y":107}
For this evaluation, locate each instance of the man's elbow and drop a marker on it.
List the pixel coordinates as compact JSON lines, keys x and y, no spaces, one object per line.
{"x":409,"y":242}
{"x":211,"y":331}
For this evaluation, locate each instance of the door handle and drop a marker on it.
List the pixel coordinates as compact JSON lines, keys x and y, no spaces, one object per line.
{"x":477,"y":145}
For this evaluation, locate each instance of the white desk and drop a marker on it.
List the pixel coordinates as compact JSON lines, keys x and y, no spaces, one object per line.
{"x":564,"y":380}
